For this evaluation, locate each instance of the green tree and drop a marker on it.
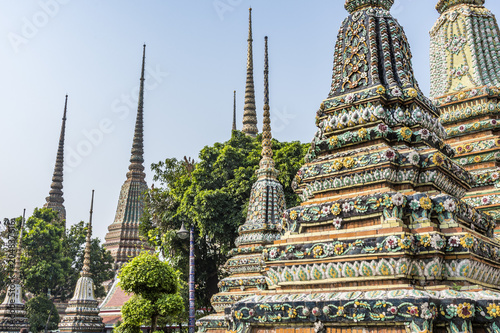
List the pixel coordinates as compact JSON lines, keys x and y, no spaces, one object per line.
{"x":44,"y":266}
{"x":214,"y":197}
{"x":52,"y":257}
{"x":155,"y":285}
{"x":38,"y":310}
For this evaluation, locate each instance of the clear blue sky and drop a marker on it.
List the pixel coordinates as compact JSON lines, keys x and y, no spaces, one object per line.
{"x":196,"y":57}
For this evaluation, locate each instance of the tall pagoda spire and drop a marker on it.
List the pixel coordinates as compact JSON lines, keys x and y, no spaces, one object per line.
{"x":123,"y":239}
{"x":136,"y":168}
{"x":17,"y":263}
{"x":55,"y":199}
{"x":249,"y":113}
{"x":267,"y":152}
{"x":82,"y":313}
{"x":234,"y":111}
{"x":86,"y":259}
{"x":262,"y":227}
{"x":12,"y":312}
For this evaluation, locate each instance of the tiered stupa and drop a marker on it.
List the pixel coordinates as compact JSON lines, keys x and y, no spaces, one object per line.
{"x":249,"y":113}
{"x":12,"y":312}
{"x":262,"y":227}
{"x":465,"y":83}
{"x":82,"y":313}
{"x":55,"y":199}
{"x":123,"y":239}
{"x":382,"y":241}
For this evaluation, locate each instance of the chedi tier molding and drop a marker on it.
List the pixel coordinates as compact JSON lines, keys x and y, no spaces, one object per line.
{"x":417,"y":309}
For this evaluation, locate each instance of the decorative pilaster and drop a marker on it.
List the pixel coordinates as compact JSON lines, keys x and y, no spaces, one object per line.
{"x":249,"y":113}
{"x":55,"y":199}
{"x":82,"y":313}
{"x":123,"y":239}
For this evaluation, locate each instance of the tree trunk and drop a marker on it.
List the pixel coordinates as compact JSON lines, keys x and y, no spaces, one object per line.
{"x":154,"y":319}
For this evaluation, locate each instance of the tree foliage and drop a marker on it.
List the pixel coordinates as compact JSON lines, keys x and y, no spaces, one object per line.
{"x":44,"y":265}
{"x":156,"y":286}
{"x":38,"y":310}
{"x":214,"y":198}
{"x":52,"y":256}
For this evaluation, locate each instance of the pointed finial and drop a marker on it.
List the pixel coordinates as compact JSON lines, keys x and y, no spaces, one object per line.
{"x":136,"y":167}
{"x":86,"y":258}
{"x":55,"y":199}
{"x":234,"y":111}
{"x":17,"y":262}
{"x":249,"y":113}
{"x":267,"y":151}
{"x":266,"y":74}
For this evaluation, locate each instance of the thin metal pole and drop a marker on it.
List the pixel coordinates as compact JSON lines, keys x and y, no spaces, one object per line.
{"x":191,"y":280}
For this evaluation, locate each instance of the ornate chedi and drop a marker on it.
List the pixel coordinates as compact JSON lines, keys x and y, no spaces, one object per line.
{"x":465,"y":83}
{"x":382,"y":241}
{"x":262,"y":227}
{"x":12,"y":313}
{"x":249,"y":113}
{"x":123,"y":239}
{"x":82,"y":313}
{"x":55,"y":199}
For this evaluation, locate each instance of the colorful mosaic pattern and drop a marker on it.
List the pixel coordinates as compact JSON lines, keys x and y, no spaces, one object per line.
{"x":459,"y":58}
{"x":419,"y":309}
{"x":443,"y":208}
{"x":465,"y":85}
{"x":382,"y":217}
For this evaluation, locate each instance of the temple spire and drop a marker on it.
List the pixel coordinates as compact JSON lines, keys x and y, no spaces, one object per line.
{"x":17,"y":262}
{"x":267,"y":151}
{"x":55,"y":199}
{"x":136,"y":168}
{"x":249,"y":113}
{"x":123,"y":239}
{"x":234,"y":111}
{"x":12,"y":311}
{"x":82,"y":313}
{"x":262,"y":226}
{"x":86,"y":259}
